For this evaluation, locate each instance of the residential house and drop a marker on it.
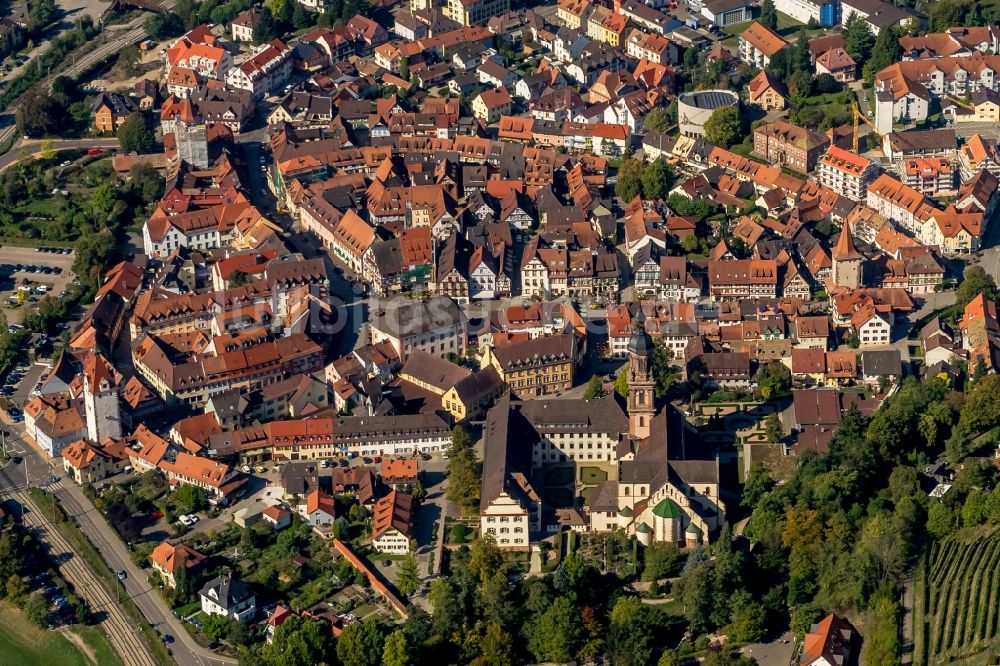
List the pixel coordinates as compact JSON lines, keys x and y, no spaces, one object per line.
{"x":743,"y":278}
{"x":838,"y":64}
{"x":266,"y":70}
{"x":110,"y":110}
{"x":228,"y":597}
{"x":489,"y":105}
{"x":393,"y":523}
{"x":766,"y":92}
{"x":829,"y":641}
{"x":169,"y":560}
{"x":319,"y":509}
{"x":758,"y":44}
{"x":244,"y":24}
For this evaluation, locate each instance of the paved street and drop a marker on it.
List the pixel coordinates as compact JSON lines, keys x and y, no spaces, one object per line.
{"x":13,"y":155}
{"x":38,"y":470}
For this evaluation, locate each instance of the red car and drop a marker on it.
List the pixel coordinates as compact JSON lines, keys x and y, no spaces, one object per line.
{"x":156,"y":515}
{"x":95,"y":151}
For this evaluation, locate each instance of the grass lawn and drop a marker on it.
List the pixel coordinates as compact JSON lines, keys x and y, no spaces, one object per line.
{"x":592,"y":476}
{"x":559,"y":476}
{"x":585,"y":494}
{"x":736,"y":29}
{"x":43,"y":207}
{"x":788,"y":26}
{"x":23,"y":643}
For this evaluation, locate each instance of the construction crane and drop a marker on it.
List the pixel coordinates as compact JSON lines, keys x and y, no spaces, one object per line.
{"x":860,"y":116}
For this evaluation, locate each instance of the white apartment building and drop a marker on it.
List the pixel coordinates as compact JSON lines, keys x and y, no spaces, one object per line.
{"x":847,"y":173}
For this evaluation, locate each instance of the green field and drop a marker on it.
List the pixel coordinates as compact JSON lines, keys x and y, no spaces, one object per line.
{"x":22,"y":643}
{"x":957,"y":599}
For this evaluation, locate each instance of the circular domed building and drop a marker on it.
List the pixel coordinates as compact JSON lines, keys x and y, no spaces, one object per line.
{"x":694,"y":108}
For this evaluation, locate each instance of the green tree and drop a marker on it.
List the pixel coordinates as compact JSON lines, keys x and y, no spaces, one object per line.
{"x":301,"y":17}
{"x":725,"y":127}
{"x":299,"y":641}
{"x":463,"y":470}
{"x":36,"y":610}
{"x":885,"y":52}
{"x":497,"y":646}
{"x":621,"y":383}
{"x":768,"y":15}
{"x":772,"y":426}
{"x":657,"y":120}
{"x":661,"y":560}
{"x":267,"y":26}
{"x":185,"y":11}
{"x":858,"y":39}
{"x":396,"y":651}
{"x":217,"y":627}
{"x":135,"y":135}
{"x":947,"y":14}
{"x":758,"y":483}
{"x":93,"y":254}
{"x":236,"y":279}
{"x":664,"y":373}
{"x":447,"y":615}
{"x":975,"y":281}
{"x":629,"y":184}
{"x":748,"y":623}
{"x":774,"y":380}
{"x":128,"y":60}
{"x":694,"y":589}
{"x":16,"y":590}
{"x":40,"y":114}
{"x":556,"y":635}
{"x":669,"y":658}
{"x":657,"y":179}
{"x":882,"y":646}
{"x":408,"y":578}
{"x":361,"y":644}
{"x":595,"y":388}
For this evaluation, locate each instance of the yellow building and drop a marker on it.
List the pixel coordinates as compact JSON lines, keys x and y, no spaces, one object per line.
{"x":573,"y":12}
{"x":476,"y":12}
{"x":542,"y":366}
{"x":471,"y":396}
{"x":491,"y":104}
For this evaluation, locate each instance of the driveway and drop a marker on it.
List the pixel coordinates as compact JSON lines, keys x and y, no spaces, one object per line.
{"x":776,"y":653}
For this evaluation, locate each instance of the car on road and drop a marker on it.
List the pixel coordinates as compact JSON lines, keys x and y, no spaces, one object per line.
{"x":121,"y":574}
{"x":168,"y":639}
{"x":16,"y":460}
{"x":55,"y":479}
{"x":67,"y":163}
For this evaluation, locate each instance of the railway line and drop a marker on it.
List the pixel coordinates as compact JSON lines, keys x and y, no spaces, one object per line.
{"x":122,"y":633}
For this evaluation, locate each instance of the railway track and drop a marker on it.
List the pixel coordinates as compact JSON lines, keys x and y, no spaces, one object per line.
{"x":121,"y":631}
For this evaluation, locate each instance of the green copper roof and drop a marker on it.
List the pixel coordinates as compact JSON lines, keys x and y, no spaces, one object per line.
{"x":644,"y":528}
{"x":625,"y":512}
{"x":668,"y":509}
{"x":693,"y":529}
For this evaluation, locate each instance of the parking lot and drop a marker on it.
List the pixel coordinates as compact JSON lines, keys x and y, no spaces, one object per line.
{"x":31,"y":267}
